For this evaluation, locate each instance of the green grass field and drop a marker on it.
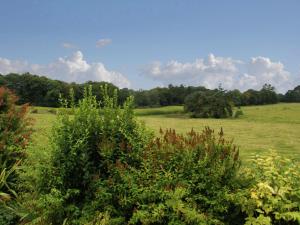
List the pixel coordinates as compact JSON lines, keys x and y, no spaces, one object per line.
{"x":260,"y":128}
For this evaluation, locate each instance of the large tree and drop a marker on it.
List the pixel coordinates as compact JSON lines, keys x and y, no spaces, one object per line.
{"x":209,"y":104}
{"x":293,"y":95}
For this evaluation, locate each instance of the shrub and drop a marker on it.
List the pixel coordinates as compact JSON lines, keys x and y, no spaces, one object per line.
{"x":4,"y":185}
{"x":238,"y":113}
{"x":86,"y":148}
{"x":14,"y":131}
{"x":274,"y":196}
{"x":186,"y":180}
{"x":14,"y":136}
{"x":106,"y":168}
{"x":208,"y":104}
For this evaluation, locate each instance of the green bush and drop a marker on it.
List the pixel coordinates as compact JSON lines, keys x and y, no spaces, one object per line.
{"x":106,"y":168}
{"x":87,"y":146}
{"x":14,"y":136}
{"x":14,"y":130}
{"x":186,"y":180}
{"x":208,"y":104}
{"x":274,"y":195}
{"x":238,"y":113}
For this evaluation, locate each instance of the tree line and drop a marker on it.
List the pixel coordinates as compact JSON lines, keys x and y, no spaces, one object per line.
{"x":43,"y":91}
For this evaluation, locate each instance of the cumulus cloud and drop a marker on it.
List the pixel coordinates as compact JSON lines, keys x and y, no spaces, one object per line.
{"x":68,"y":45}
{"x":103,"y":42}
{"x":70,"y":69}
{"x":213,"y":71}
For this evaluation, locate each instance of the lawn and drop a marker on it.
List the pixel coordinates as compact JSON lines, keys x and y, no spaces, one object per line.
{"x":260,"y":128}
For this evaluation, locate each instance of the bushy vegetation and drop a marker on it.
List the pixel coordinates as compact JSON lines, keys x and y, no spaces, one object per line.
{"x":107,"y":168}
{"x":273,"y":197}
{"x":186,"y":179}
{"x":87,"y":149}
{"x":212,"y":104}
{"x":14,"y":131}
{"x":14,"y":136}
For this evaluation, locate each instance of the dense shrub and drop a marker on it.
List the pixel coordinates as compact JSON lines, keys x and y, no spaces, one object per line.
{"x":186,"y":180}
{"x":106,"y":168}
{"x":209,"y":104}
{"x":237,"y":113}
{"x":105,"y":165}
{"x":14,"y":136}
{"x":87,"y":147}
{"x":274,"y":195}
{"x":14,"y":131}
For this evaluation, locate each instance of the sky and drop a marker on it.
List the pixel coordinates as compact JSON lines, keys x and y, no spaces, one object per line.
{"x":142,"y":44}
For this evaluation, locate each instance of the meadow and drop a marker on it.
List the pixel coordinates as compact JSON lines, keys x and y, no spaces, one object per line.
{"x":260,"y":129}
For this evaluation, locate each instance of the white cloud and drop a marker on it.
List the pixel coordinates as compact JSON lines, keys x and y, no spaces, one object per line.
{"x":69,"y":69}
{"x":263,"y":70}
{"x":68,"y":45}
{"x":230,"y":73}
{"x":103,"y":42}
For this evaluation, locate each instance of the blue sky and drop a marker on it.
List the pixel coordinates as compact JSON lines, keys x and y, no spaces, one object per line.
{"x":142,"y":44}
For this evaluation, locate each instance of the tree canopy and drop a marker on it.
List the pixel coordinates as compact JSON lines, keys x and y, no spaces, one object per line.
{"x":43,"y":91}
{"x":212,"y":104}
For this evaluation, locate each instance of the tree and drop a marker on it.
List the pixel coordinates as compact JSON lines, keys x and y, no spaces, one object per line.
{"x":235,"y":96}
{"x":250,"y":97}
{"x":293,"y":95}
{"x":209,"y":104}
{"x":268,"y":94}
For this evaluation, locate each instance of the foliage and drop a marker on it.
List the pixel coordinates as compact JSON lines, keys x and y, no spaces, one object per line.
{"x":237,"y":113}
{"x":14,"y":136}
{"x":15,"y":131}
{"x":106,"y":168}
{"x":236,"y":97}
{"x":4,"y":185}
{"x":292,"y":95}
{"x":266,"y":95}
{"x":42,"y":91}
{"x":86,"y":148}
{"x":274,"y":196}
{"x":213,"y":104}
{"x":185,"y":180}
{"x":105,"y":165}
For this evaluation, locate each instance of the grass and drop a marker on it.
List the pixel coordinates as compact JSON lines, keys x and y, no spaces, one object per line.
{"x":260,"y":128}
